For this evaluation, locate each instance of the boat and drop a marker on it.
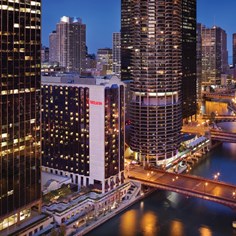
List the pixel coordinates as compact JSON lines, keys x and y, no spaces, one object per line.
{"x":234,"y":224}
{"x":182,"y":168}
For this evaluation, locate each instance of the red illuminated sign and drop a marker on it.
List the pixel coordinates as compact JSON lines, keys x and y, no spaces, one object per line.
{"x":95,"y":102}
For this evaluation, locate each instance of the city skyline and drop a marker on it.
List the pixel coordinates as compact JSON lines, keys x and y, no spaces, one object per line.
{"x":82,"y":143}
{"x":101,"y":26}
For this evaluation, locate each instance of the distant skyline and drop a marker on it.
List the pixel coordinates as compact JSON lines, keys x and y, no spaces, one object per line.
{"x":102,"y":18}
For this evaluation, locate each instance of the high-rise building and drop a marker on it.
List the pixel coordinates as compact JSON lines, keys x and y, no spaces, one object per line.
{"x":83,"y":131}
{"x":189,"y":57}
{"x":155,"y":40}
{"x":53,"y":47}
{"x":116,"y":53}
{"x":104,"y":61}
{"x":127,"y":22}
{"x":20,"y":106}
{"x":44,"y":54}
{"x":199,"y":63}
{"x":234,"y":49}
{"x":214,"y":55}
{"x":69,"y":41}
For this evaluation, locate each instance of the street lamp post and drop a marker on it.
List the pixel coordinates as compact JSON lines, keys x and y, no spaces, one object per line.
{"x":205,"y":185}
{"x":216,"y":176}
{"x":234,"y":194}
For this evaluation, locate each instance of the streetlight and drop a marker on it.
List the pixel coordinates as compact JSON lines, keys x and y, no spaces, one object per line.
{"x":205,"y":185}
{"x":233,"y":194}
{"x":216,"y":176}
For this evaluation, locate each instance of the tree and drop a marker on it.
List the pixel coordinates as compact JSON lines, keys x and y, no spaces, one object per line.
{"x":213,"y":117}
{"x":62,"y":230}
{"x":53,"y":232}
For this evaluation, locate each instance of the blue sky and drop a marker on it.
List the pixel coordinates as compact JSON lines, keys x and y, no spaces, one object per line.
{"x":102,"y":18}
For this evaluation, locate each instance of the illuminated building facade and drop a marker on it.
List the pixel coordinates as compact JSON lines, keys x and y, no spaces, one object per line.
{"x":104,"y":61}
{"x":126,"y":38}
{"x":234,"y":49}
{"x":44,"y":54}
{"x":20,"y":106}
{"x":214,"y":55}
{"x":83,"y":132}
{"x":155,"y":29}
{"x":116,"y":53}
{"x":189,"y":57}
{"x":53,"y":47}
{"x":199,"y":63}
{"x":68,"y":44}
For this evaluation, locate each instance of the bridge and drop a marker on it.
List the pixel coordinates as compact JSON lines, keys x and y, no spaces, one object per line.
{"x":219,"y":96}
{"x":212,"y":190}
{"x":221,"y":118}
{"x":224,"y":136}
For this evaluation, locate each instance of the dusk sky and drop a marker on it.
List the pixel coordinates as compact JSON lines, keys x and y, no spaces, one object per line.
{"x":102,"y":18}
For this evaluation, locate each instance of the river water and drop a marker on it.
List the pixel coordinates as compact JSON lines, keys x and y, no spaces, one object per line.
{"x":165,"y":213}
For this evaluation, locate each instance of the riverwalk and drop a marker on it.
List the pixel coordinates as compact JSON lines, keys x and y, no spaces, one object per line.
{"x":136,"y":196}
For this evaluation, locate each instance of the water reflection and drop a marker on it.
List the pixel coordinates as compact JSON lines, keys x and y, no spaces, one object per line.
{"x":176,"y":228}
{"x":149,"y":224}
{"x":170,"y":214}
{"x":205,"y":231}
{"x":141,"y":206}
{"x":128,"y":223}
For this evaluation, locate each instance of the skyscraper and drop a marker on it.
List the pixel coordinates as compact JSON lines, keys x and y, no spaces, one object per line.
{"x":189,"y":57}
{"x":126,"y":38}
{"x":20,"y":110}
{"x":116,"y":53}
{"x":53,"y":47}
{"x":155,"y":37}
{"x":104,"y":61}
{"x":199,"y":62}
{"x":44,"y":54}
{"x":214,"y":55}
{"x":68,"y":44}
{"x":83,"y":131}
{"x":234,"y":49}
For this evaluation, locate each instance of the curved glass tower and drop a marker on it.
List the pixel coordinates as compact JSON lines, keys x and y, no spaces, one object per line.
{"x":156,"y":72}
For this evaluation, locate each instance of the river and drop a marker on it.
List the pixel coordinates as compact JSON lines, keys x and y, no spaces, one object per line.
{"x":165,"y":213}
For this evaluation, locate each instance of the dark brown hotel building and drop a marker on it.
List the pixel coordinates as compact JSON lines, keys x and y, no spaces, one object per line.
{"x":20,"y":133}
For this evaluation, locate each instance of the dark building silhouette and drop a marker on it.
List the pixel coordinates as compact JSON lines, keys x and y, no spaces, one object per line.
{"x":199,"y":62}
{"x":127,"y":23}
{"x":189,"y":59}
{"x":234,"y":49}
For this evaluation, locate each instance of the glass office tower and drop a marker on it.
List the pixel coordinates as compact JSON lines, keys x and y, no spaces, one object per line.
{"x":20,"y":134}
{"x":189,"y":59}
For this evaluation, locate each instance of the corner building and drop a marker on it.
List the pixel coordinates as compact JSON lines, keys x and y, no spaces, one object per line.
{"x":83,"y":132}
{"x":20,"y":135}
{"x":156,"y":112}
